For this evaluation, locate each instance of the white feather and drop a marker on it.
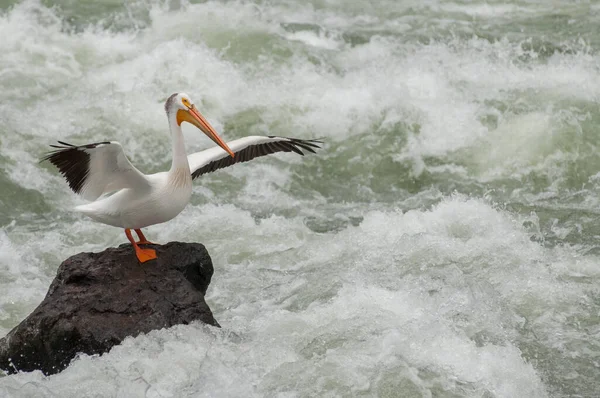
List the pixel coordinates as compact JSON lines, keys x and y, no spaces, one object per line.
{"x":109,"y":171}
{"x":200,"y":159}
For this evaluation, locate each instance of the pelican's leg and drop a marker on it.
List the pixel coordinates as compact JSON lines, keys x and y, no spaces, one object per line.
{"x":143,"y":255}
{"x":143,"y":240}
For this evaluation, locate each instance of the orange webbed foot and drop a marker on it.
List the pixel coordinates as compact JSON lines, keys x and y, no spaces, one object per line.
{"x":144,"y":255}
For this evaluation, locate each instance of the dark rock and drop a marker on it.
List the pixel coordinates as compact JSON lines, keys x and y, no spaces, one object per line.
{"x":98,"y":299}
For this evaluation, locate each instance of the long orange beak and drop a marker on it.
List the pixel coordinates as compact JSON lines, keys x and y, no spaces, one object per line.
{"x":194,"y":117}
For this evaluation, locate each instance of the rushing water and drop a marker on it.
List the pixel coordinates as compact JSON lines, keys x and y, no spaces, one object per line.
{"x":445,"y":242}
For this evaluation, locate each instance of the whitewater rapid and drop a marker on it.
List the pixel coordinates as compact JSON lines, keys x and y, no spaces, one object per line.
{"x":442,"y":243}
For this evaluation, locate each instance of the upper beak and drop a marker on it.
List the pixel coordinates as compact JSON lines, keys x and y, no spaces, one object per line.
{"x":199,"y":121}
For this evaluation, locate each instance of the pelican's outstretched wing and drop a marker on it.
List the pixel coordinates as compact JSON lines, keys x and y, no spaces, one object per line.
{"x":246,"y":149}
{"x":94,"y":169}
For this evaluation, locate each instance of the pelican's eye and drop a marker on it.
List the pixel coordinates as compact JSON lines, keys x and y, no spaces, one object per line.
{"x":186,"y":102}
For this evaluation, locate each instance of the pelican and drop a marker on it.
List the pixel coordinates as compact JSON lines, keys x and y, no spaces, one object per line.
{"x":139,"y":200}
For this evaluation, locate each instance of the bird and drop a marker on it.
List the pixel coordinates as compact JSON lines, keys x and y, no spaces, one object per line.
{"x":122,"y":196}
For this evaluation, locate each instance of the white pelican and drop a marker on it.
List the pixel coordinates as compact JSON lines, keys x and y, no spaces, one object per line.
{"x":141,"y":200}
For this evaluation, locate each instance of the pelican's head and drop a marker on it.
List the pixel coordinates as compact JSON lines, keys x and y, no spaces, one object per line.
{"x":185,"y":111}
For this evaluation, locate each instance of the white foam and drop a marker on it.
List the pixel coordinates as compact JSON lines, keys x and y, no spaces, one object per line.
{"x":316,"y":314}
{"x":489,"y":10}
{"x":21,"y":280}
{"x":122,"y":78}
{"x":320,"y":40}
{"x":431,"y":301}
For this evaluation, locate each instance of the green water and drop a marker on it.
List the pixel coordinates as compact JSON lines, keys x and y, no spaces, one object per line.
{"x":443,"y":243}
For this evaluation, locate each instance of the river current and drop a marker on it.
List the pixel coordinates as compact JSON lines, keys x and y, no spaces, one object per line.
{"x":444,"y":242}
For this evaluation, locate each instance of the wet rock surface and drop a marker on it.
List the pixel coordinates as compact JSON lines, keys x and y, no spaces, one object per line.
{"x":98,"y":299}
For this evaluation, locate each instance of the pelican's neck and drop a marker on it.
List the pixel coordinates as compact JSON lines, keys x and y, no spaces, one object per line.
{"x":180,"y":159}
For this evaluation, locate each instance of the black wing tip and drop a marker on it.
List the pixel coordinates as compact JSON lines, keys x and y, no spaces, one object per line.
{"x":72,"y":162}
{"x":279,"y":144}
{"x":307,"y":145}
{"x":50,"y":155}
{"x":65,"y":146}
{"x":303,"y":143}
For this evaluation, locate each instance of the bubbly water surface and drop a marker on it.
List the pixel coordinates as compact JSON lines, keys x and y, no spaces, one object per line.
{"x":443,"y":243}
